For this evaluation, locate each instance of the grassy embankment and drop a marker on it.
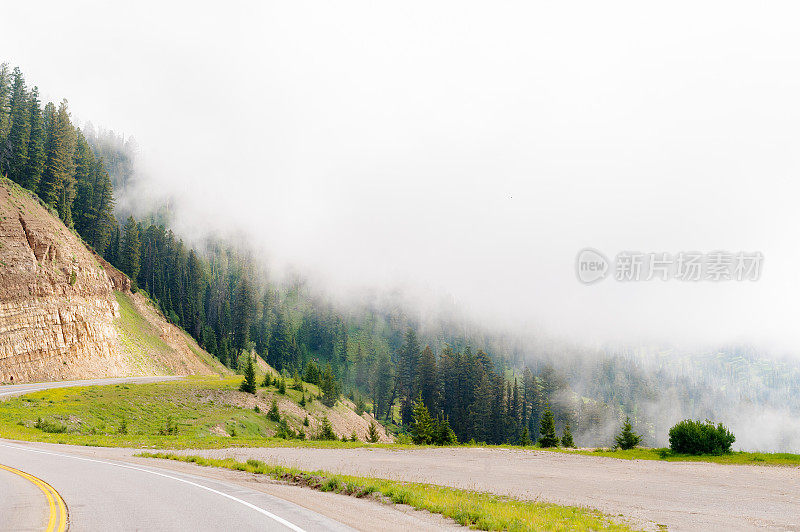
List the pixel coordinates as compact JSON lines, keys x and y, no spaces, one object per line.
{"x":203,"y":409}
{"x":143,"y":343}
{"x":483,"y":511}
{"x":200,"y":407}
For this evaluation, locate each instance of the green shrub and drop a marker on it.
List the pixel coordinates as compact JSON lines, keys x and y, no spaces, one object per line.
{"x":170,"y":428}
{"x":297,"y":382}
{"x":373,"y":436}
{"x":284,"y":431}
{"x":695,"y":437}
{"x":274,"y":414}
{"x":49,"y":426}
{"x":326,"y":431}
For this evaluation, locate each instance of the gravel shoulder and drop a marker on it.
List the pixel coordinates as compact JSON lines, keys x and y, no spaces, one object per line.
{"x":679,"y":495}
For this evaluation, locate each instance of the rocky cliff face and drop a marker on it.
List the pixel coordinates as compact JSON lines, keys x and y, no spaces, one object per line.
{"x":58,"y":311}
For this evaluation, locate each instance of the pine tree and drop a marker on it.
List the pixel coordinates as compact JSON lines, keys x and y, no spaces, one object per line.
{"x":36,"y":143}
{"x":282,"y":352}
{"x":548,"y":431}
{"x":627,"y":439}
{"x":112,"y":251}
{"x":373,"y":436}
{"x":481,"y":410}
{"x":326,"y":430}
{"x":83,"y":206}
{"x":498,"y":431}
{"x":566,"y":438}
{"x":407,"y":373}
{"x":427,"y":378}
{"x":129,"y":252}
{"x":56,"y":187}
{"x":442,"y":432}
{"x":249,"y":383}
{"x":525,"y":439}
{"x":5,"y":113}
{"x":422,"y":425}
{"x":311,"y":373}
{"x":103,"y":209}
{"x":297,"y":381}
{"x":381,"y":386}
{"x":329,"y":387}
{"x":19,"y":134}
{"x":274,"y":414}
{"x":243,"y":312}
{"x":267,"y":380}
{"x":48,"y":184}
{"x":530,"y":413}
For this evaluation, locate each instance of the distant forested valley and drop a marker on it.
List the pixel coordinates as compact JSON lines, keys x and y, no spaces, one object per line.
{"x":490,"y":386}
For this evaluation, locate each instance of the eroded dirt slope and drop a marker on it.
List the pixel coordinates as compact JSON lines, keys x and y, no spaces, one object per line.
{"x":59,"y":316}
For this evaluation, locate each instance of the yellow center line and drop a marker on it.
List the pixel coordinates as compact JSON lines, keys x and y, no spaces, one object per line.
{"x":57,"y":521}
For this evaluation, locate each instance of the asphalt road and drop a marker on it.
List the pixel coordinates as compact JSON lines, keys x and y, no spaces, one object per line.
{"x":116,"y":495}
{"x":22,"y":504}
{"x":110,"y":489}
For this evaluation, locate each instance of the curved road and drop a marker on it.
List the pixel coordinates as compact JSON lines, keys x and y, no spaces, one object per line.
{"x":114,"y":495}
{"x":108,"y":489}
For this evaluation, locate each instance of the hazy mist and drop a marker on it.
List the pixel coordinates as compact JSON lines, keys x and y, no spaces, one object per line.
{"x":463,"y":151}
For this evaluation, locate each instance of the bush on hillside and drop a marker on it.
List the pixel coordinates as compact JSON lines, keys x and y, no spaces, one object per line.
{"x":695,"y":437}
{"x":274,"y":414}
{"x":326,"y":431}
{"x":373,"y":436}
{"x":49,"y":426}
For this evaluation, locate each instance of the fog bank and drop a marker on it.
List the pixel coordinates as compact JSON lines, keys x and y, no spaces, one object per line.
{"x":463,"y":151}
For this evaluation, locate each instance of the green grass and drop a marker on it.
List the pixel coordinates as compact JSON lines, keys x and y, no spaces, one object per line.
{"x":199,"y":406}
{"x":483,"y":511}
{"x":137,"y":335}
{"x":93,"y":415}
{"x":737,"y":458}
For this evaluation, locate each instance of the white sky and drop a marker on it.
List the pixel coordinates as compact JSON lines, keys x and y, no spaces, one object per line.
{"x":461,"y":148}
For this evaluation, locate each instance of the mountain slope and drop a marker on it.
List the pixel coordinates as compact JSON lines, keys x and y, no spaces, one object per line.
{"x":59,"y":315}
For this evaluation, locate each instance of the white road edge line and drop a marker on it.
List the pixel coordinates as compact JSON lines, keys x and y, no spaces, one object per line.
{"x":280,"y":520}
